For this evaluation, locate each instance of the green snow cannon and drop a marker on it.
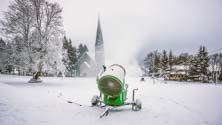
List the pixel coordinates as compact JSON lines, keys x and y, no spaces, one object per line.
{"x":111,"y":84}
{"x":113,"y":90}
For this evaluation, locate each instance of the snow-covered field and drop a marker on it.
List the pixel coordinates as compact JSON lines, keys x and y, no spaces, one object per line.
{"x":174,"y":103}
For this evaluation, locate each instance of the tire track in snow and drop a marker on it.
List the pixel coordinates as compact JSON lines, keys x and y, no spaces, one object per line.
{"x":61,"y":96}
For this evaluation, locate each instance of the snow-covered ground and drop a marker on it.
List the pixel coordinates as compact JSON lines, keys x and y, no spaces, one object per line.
{"x":174,"y":103}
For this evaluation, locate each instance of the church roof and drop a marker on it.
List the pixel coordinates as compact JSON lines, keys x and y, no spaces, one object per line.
{"x":89,"y":54}
{"x":99,"y":36}
{"x":87,"y":64}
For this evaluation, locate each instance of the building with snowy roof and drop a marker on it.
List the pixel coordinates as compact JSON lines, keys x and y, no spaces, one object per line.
{"x":90,"y":64}
{"x":178,"y":72}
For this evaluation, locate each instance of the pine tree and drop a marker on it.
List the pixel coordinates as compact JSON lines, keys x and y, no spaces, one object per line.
{"x":204,"y":59}
{"x":199,"y":65}
{"x":157,"y":61}
{"x":176,"y":60}
{"x":21,"y":58}
{"x":8,"y":63}
{"x":149,"y":62}
{"x":71,"y":57}
{"x":2,"y":44}
{"x":65,"y":49}
{"x":164,"y":61}
{"x":82,"y":49}
{"x":2,"y":54}
{"x":184,"y":58}
{"x":65,"y":43}
{"x":85,"y":48}
{"x":170,"y":60}
{"x":195,"y":69}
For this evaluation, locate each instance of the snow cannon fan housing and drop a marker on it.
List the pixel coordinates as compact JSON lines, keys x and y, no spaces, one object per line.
{"x":111,"y":85}
{"x":113,"y":90}
{"x":111,"y":81}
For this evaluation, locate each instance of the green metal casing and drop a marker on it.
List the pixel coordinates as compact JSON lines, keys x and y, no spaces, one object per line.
{"x":119,"y":100}
{"x":113,"y":99}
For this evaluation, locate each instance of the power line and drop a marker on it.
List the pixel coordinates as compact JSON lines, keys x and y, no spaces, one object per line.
{"x":213,"y":51}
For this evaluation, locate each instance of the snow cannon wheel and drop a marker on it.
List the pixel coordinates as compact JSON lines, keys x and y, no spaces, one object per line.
{"x":95,"y":100}
{"x":137,"y":105}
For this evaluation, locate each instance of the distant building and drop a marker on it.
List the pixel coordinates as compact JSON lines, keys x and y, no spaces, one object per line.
{"x":90,"y":64}
{"x":178,"y":73}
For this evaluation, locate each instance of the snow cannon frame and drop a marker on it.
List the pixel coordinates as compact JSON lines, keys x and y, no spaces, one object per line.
{"x":113,"y":90}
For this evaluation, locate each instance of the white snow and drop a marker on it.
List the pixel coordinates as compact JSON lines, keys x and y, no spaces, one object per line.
{"x":180,"y":67}
{"x":174,"y":103}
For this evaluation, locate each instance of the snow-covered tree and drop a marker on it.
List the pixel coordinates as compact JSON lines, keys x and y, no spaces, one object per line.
{"x":170,"y":59}
{"x":153,"y":62}
{"x":149,"y":62}
{"x":85,"y":48}
{"x":48,"y":25}
{"x":184,"y":58}
{"x":16,"y":26}
{"x":8,"y":62}
{"x":199,"y":65}
{"x":204,"y":60}
{"x":3,"y":55}
{"x":215,"y":65}
{"x":164,"y":61}
{"x":34,"y":30}
{"x":195,"y":68}
{"x":82,"y":49}
{"x":65,"y":49}
{"x":157,"y":62}
{"x":71,"y":57}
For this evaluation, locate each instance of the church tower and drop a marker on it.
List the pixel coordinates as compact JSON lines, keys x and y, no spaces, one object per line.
{"x":99,"y":49}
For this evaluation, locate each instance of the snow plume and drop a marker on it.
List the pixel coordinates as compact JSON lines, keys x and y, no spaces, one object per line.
{"x":124,"y":50}
{"x":180,"y":25}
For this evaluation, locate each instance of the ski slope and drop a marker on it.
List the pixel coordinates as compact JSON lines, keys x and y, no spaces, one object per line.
{"x":164,"y":103}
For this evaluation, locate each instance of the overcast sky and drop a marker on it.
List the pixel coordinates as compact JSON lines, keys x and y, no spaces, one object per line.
{"x":132,"y":27}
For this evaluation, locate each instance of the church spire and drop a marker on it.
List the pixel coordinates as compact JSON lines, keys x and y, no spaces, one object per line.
{"x":99,"y":36}
{"x":99,"y":49}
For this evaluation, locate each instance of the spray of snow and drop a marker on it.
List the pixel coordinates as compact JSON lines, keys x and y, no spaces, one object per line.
{"x":125,"y":55}
{"x":122,"y":47}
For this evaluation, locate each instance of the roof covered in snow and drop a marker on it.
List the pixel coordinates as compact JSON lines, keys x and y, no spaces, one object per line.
{"x":180,"y":67}
{"x":90,"y":55}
